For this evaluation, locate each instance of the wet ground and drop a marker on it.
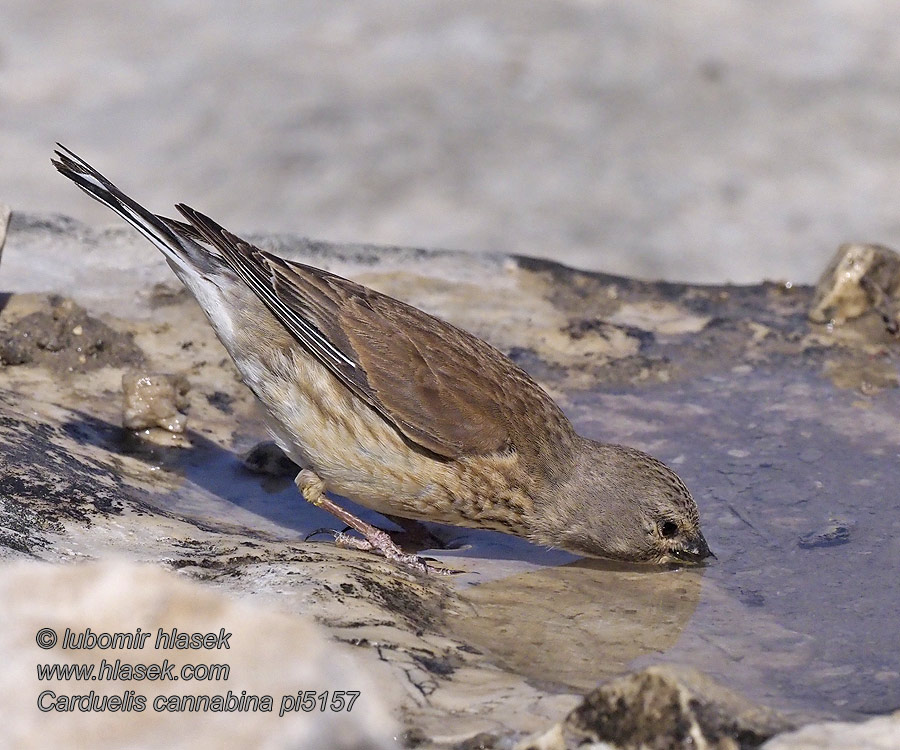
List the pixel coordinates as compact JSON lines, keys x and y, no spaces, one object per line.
{"x":786,"y":432}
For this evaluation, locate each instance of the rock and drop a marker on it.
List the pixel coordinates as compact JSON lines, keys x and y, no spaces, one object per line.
{"x":480,"y":741}
{"x":663,"y":708}
{"x":14,"y":350}
{"x":858,"y":279}
{"x":880,"y":733}
{"x":835,"y":532}
{"x":267,"y":653}
{"x":154,"y":400}
{"x":267,"y":458}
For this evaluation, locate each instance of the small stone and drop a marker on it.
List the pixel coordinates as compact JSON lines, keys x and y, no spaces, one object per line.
{"x":154,"y":400}
{"x":481,"y":741}
{"x":15,"y":350}
{"x":834,"y":533}
{"x":810,"y":455}
{"x":752,"y":598}
{"x":267,"y":458}
{"x":413,"y":737}
{"x":859,"y":278}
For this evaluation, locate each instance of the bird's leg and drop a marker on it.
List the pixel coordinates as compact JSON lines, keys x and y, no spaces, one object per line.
{"x":313,"y":489}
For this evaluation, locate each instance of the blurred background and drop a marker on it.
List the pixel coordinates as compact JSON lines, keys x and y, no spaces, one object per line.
{"x":688,"y":140}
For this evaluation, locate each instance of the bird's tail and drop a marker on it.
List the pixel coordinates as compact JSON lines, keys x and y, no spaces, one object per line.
{"x":183,"y":253}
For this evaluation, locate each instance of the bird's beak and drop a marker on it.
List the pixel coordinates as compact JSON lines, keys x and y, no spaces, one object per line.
{"x":695,"y":551}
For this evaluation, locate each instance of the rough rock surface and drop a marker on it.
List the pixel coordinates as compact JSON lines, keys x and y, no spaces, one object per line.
{"x":858,"y":279}
{"x":62,"y":336}
{"x":784,"y":429}
{"x":662,"y":708}
{"x":881,"y":733}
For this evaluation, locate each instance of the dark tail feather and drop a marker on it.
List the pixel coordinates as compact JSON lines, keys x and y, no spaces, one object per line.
{"x":180,"y":248}
{"x":183,"y":229}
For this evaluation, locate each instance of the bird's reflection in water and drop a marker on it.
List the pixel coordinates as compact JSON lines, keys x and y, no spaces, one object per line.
{"x":575,"y":625}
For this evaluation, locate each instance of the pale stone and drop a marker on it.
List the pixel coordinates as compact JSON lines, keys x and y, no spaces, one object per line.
{"x":859,"y":278}
{"x":154,"y":400}
{"x":880,"y":733}
{"x":268,"y":654}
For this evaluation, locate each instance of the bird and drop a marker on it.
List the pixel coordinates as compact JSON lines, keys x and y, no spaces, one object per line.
{"x":399,"y":411}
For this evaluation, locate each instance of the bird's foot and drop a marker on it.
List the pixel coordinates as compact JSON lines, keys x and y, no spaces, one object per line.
{"x":374,"y":540}
{"x":382,"y":544}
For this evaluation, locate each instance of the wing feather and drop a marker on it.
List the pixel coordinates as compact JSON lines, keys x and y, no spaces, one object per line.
{"x":443,"y":388}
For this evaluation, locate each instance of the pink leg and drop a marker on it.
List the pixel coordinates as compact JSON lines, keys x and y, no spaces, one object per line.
{"x":374,"y":540}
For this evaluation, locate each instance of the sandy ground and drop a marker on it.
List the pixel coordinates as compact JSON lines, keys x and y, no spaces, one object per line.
{"x":684,"y":140}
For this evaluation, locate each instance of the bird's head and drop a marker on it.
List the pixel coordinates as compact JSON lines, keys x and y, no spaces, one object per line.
{"x":622,"y":504}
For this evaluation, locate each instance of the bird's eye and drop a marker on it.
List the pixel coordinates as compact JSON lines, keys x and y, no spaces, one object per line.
{"x":668,"y":529}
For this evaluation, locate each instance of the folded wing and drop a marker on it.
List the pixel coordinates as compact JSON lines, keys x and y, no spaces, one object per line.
{"x":443,"y":388}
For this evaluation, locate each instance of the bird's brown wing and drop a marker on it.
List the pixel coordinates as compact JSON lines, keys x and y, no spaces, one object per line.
{"x":443,"y":388}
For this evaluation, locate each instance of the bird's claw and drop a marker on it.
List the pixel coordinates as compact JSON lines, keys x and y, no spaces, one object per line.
{"x":385,"y":546}
{"x":323,"y":530}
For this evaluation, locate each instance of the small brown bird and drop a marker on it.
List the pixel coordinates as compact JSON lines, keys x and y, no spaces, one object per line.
{"x":406,"y":414}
